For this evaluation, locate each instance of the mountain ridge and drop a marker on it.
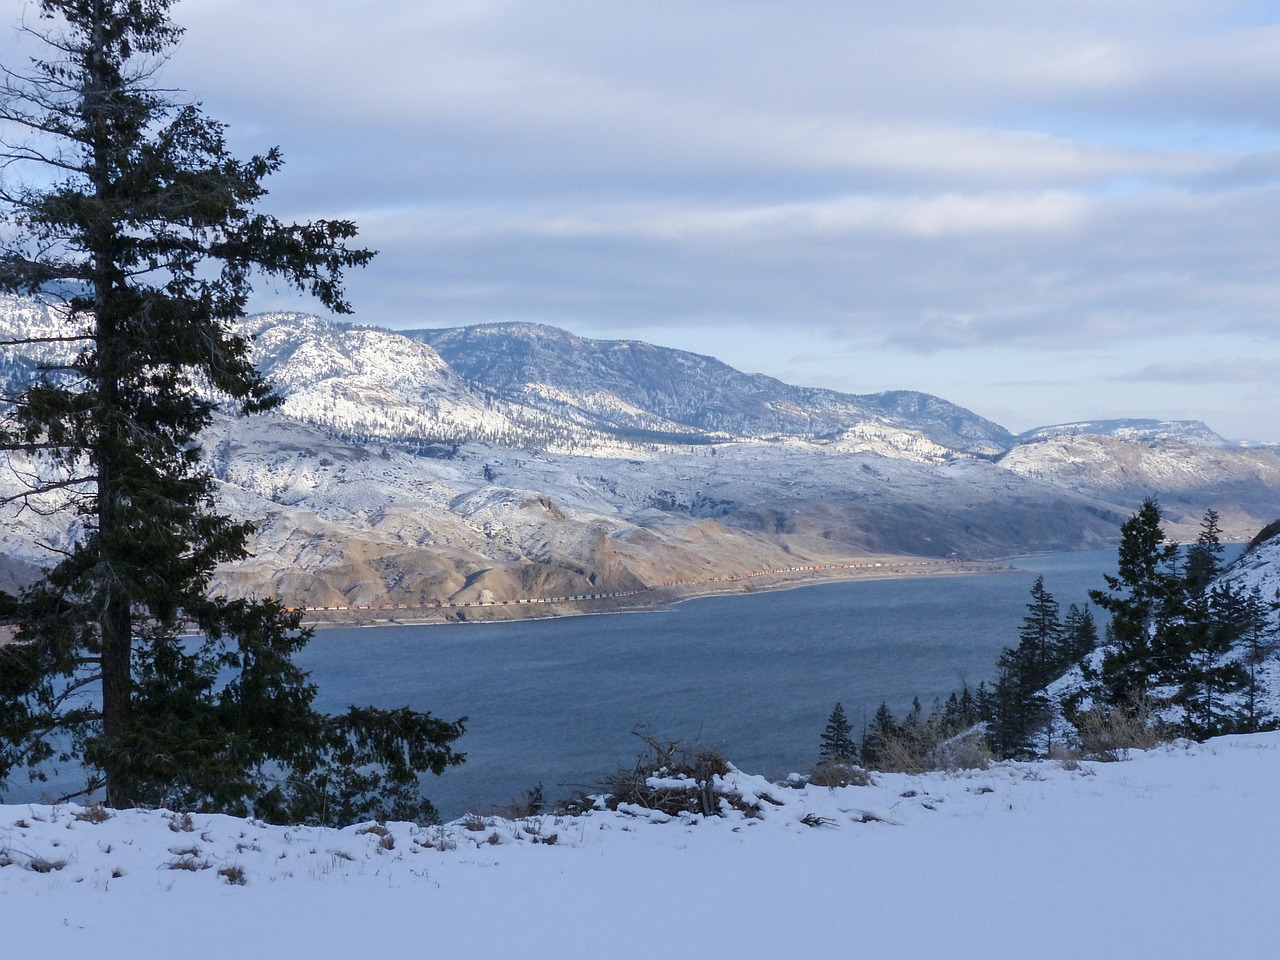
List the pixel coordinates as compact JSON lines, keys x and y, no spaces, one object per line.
{"x":388,"y":475}
{"x":521,"y":360}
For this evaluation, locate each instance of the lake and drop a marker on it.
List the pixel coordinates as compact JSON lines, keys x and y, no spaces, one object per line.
{"x":755,"y":675}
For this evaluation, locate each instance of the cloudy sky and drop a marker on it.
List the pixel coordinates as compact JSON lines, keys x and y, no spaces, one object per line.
{"x":1045,"y":210}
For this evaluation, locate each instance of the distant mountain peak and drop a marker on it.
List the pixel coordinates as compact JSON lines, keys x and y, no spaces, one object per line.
{"x":679,"y":390}
{"x":1194,"y":432}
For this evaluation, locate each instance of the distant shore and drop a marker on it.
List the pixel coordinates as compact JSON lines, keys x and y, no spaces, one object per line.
{"x":658,"y":597}
{"x":653,"y":598}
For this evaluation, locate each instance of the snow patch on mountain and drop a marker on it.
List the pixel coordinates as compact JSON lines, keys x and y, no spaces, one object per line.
{"x":1242,"y":485}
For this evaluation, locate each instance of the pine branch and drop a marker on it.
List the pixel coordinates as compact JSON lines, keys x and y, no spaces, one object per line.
{"x":48,"y":487}
{"x":94,"y":785}
{"x":29,"y":341}
{"x":52,"y":549}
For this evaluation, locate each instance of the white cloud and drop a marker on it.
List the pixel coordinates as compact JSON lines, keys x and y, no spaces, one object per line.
{"x":912,"y":175}
{"x":1232,"y":370}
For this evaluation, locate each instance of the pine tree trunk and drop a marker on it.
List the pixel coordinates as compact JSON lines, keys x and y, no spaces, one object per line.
{"x":116,"y":623}
{"x":117,"y":699}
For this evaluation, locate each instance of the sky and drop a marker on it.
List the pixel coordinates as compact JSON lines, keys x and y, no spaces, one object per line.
{"x":1042,"y":210}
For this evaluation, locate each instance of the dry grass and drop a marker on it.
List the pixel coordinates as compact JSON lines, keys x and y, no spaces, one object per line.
{"x":1107,"y":732}
{"x":386,"y":841}
{"x":94,"y":813}
{"x":917,"y":754}
{"x":530,"y":805}
{"x":188,"y":863}
{"x":574,"y":805}
{"x":836,"y":774}
{"x":901,"y":755}
{"x":965,"y":751}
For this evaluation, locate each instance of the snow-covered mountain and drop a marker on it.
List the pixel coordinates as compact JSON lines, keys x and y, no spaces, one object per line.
{"x":637,"y":387}
{"x":1259,"y":566}
{"x":1242,"y":484}
{"x":1192,"y":432}
{"x":518,"y":460}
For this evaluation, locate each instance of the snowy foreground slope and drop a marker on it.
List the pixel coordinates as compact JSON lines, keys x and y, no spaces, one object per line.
{"x":1173,"y":853}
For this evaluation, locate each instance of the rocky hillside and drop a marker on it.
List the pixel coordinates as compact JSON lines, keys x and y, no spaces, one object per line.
{"x":521,"y":461}
{"x":638,"y":388}
{"x":1241,"y":484}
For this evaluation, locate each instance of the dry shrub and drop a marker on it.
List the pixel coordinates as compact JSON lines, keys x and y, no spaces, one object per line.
{"x":832,"y":773}
{"x":965,"y":751}
{"x":94,"y":813}
{"x":575,"y":805}
{"x":530,"y":805}
{"x":1106,"y":732}
{"x":233,"y":874}
{"x":188,"y":863}
{"x":439,"y":839}
{"x":386,"y":841}
{"x":688,"y":776}
{"x":901,"y":755}
{"x":925,"y":749}
{"x":1067,"y":757}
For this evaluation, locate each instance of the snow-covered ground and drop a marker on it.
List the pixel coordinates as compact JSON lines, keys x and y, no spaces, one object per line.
{"x":1172,"y":853}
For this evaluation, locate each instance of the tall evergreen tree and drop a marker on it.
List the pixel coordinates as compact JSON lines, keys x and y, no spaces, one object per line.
{"x":1040,"y":637}
{"x":125,"y":212}
{"x":1199,"y":636}
{"x":881,"y":731}
{"x":1079,"y":635}
{"x":1019,"y":704}
{"x":1204,"y":557}
{"x":1138,"y":599}
{"x":1207,"y":671}
{"x":837,"y":746}
{"x":1259,"y":643}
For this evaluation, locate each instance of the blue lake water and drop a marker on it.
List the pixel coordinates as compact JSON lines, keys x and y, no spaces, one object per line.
{"x":756,"y":675}
{"x":555,"y":701}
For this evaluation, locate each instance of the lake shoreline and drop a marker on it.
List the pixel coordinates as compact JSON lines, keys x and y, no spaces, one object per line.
{"x":662,"y":598}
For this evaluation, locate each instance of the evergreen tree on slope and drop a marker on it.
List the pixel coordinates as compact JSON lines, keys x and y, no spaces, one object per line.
{"x":837,"y":746}
{"x":1138,"y":598}
{"x":1210,"y":620}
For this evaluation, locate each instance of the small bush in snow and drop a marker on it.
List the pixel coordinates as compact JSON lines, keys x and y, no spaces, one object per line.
{"x":1106,"y":732}
{"x":94,"y":813}
{"x":188,"y":863}
{"x":964,"y":751}
{"x":835,"y":774}
{"x":530,"y":805}
{"x":671,"y":779}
